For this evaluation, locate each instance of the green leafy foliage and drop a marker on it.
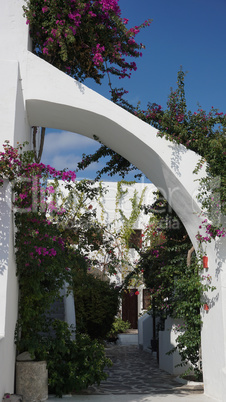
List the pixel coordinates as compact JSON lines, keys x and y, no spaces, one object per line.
{"x":40,"y":279}
{"x":136,"y":203}
{"x":44,"y":256}
{"x":96,"y":304}
{"x":175,"y":284}
{"x":72,"y":365}
{"x":118,"y":327}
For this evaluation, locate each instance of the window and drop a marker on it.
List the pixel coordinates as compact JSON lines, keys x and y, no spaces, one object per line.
{"x":146,"y":299}
{"x":135,"y":240}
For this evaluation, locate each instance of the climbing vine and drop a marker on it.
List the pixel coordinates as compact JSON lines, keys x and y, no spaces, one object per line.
{"x":131,"y":278}
{"x":106,"y":246}
{"x":175,"y":279}
{"x":128,"y":222}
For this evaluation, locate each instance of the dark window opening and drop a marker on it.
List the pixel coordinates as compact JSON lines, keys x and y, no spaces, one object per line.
{"x":146,"y":298}
{"x":135,"y":240}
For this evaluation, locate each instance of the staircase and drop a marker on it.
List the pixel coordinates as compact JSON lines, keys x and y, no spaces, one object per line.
{"x":57,"y":310}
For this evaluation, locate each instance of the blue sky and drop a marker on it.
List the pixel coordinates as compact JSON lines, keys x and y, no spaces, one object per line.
{"x":187,"y":33}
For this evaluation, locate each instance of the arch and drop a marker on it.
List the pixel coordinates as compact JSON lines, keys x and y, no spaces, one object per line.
{"x":72,"y":106}
{"x":63,"y":103}
{"x":36,"y":93}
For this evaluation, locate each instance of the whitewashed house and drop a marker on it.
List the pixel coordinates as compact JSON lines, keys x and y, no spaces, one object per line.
{"x":34,"y":93}
{"x":118,"y":197}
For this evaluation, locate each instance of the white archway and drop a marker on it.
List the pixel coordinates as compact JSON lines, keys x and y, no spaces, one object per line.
{"x":36,"y":93}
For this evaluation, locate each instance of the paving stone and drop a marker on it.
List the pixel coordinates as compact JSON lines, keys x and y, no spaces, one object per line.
{"x":135,"y":371}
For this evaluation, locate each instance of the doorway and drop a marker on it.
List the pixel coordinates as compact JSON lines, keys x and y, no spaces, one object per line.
{"x":130,"y":308}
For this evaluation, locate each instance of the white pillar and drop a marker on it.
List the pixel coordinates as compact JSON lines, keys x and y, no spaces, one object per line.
{"x":13,"y":127}
{"x":35,"y":93}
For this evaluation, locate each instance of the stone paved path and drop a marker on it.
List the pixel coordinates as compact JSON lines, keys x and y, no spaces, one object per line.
{"x":136,"y":372}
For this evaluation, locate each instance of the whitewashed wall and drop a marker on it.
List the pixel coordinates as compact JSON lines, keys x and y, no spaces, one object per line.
{"x":35,"y":93}
{"x":109,"y":202}
{"x":15,"y":128}
{"x":8,"y":293}
{"x":145,"y":331}
{"x":167,"y":341}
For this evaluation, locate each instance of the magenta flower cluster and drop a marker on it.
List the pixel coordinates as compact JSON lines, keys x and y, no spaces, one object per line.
{"x":43,"y":251}
{"x":30,"y":195}
{"x":81,"y":36}
{"x":211,"y":232}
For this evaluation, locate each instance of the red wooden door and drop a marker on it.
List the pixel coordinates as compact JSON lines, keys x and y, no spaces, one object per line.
{"x":130,"y":308}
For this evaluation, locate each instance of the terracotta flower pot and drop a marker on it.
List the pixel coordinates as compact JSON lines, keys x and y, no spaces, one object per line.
{"x":205,"y":261}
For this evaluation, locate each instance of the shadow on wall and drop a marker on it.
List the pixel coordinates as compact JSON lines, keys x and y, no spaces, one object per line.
{"x":167,"y":341}
{"x":5,"y":199}
{"x":176,"y":159}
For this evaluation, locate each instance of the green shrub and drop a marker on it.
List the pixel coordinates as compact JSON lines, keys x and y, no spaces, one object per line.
{"x":96,"y":305}
{"x":72,"y":365}
{"x":118,"y":326}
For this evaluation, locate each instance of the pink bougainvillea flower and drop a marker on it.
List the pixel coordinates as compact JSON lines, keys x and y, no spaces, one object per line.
{"x":22,"y":196}
{"x":45,"y":9}
{"x":45,"y":50}
{"x":51,"y":189}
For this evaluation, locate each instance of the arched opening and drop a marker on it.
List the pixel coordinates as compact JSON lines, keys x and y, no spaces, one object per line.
{"x":75,"y":108}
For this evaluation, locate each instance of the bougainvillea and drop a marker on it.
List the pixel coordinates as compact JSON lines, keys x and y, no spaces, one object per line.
{"x":41,"y":254}
{"x":44,"y":261}
{"x":84,"y":38}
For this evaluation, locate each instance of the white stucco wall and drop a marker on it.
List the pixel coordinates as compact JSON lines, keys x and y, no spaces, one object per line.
{"x":167,"y":341}
{"x":145,"y":331}
{"x":34,"y":90}
{"x":13,"y":127}
{"x":109,"y":202}
{"x":214,"y":323}
{"x":8,"y":293}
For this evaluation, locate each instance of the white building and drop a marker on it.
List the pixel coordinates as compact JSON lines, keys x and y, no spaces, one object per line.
{"x":34,"y":93}
{"x":118,"y":197}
